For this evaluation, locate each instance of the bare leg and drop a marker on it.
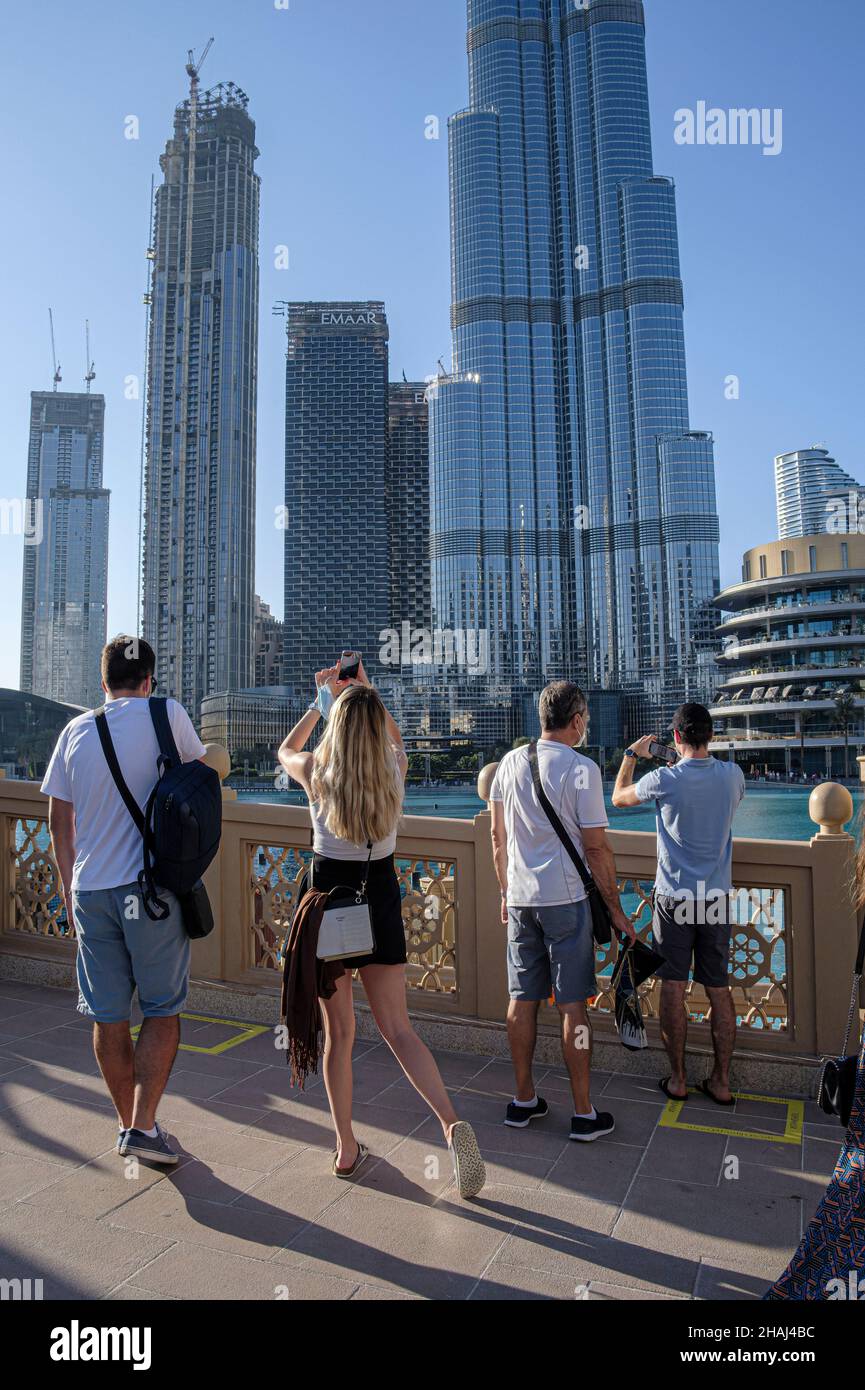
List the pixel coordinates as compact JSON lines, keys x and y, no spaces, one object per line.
{"x":385,"y":990}
{"x":723,"y":1021}
{"x":577,"y":1052}
{"x":112,"y":1044}
{"x":155,"y":1052}
{"x":674,"y":1033}
{"x":338,"y":1043}
{"x":522,"y":1034}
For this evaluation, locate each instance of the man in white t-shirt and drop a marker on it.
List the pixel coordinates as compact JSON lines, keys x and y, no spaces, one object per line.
{"x":99,"y":853}
{"x":550,"y":942}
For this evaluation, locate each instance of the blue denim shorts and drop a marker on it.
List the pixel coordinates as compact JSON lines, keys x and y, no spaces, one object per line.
{"x":551,"y":950}
{"x":120,"y":950}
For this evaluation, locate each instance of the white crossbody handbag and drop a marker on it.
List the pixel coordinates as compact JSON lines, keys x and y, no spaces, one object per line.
{"x":346,"y":926}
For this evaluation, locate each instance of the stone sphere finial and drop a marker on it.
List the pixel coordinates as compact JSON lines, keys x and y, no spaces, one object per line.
{"x":485,"y":780}
{"x":830,"y":806}
{"x":217,"y":757}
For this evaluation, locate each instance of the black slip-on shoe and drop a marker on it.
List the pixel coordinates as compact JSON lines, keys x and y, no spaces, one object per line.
{"x":519,"y":1116}
{"x":586,"y":1131}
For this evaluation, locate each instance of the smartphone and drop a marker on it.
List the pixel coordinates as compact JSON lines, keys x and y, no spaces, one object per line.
{"x":349,"y":665}
{"x":663,"y":752}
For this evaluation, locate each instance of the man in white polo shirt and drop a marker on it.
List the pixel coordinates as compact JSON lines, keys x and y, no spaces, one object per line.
{"x":99,"y":854}
{"x":551,"y":947}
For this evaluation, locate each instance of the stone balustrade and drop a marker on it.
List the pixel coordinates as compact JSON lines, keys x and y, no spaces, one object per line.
{"x":792,"y":950}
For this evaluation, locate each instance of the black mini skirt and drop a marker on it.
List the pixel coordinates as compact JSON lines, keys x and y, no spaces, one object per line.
{"x":384,"y":898}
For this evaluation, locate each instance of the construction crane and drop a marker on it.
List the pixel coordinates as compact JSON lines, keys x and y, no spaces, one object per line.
{"x":89,"y":374}
{"x":57,"y":377}
{"x":193,"y":68}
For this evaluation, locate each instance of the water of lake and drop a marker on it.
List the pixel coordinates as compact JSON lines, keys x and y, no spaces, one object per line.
{"x":767,"y":813}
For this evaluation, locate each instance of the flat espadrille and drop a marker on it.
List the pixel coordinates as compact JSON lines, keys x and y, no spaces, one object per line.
{"x":469,"y":1169}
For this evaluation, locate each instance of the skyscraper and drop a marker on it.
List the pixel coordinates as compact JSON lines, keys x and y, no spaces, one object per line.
{"x":562,"y":439}
{"x":65,"y":586}
{"x":336,"y":536}
{"x":199,"y":508}
{"x":407,"y":498}
{"x":806,"y":483}
{"x":268,"y":645}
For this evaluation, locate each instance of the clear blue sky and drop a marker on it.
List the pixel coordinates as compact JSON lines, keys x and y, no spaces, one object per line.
{"x":340,"y":91}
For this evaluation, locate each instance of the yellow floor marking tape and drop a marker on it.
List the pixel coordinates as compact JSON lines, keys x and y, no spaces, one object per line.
{"x":247,"y":1031}
{"x":792,"y":1131}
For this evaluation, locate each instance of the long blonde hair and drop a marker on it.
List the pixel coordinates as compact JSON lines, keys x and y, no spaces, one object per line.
{"x":354,"y":776}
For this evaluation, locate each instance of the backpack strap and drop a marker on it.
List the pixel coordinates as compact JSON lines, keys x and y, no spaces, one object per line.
{"x":168,"y":754}
{"x":114,"y":768}
{"x":155,"y":907}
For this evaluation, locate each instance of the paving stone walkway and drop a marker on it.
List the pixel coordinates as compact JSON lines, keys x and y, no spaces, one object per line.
{"x":252,"y":1211}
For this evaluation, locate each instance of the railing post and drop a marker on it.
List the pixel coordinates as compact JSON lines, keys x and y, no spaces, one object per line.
{"x":832,"y":865}
{"x":491,"y":934}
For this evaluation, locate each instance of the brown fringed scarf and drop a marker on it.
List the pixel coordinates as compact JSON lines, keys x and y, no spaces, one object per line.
{"x":304,"y":979}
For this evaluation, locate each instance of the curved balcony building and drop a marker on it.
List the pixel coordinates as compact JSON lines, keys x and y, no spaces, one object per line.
{"x":793,"y":657}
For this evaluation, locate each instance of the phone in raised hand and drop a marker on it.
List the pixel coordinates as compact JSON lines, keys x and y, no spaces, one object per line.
{"x":349,"y":666}
{"x":663,"y":752}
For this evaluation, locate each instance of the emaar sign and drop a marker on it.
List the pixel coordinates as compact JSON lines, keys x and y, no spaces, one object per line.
{"x":345,"y":320}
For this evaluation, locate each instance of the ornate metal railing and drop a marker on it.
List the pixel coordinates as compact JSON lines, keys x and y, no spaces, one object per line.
{"x":428,"y":889}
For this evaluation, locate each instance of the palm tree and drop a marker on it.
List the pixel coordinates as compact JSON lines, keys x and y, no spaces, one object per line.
{"x":845,"y":709}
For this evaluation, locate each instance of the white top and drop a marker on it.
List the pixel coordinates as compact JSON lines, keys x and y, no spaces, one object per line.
{"x":324,"y":842}
{"x":540,"y":872}
{"x":108,"y":847}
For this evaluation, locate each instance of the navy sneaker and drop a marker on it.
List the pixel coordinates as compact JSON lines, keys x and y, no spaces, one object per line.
{"x":519,"y":1116}
{"x":155,"y":1149}
{"x":121,"y":1135}
{"x":585,"y":1131}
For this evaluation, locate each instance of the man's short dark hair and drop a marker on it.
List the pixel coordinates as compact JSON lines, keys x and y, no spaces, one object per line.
{"x":127,"y":662}
{"x":559,"y":702}
{"x":693,"y":724}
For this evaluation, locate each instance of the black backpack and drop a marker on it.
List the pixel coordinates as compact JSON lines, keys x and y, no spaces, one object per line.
{"x":182,"y":821}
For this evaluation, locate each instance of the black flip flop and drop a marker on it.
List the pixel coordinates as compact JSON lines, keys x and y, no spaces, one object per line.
{"x":362,"y":1153}
{"x":704,"y":1089}
{"x":665,"y":1087}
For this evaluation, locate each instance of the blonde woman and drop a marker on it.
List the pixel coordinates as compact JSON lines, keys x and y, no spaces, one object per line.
{"x":354,"y":781}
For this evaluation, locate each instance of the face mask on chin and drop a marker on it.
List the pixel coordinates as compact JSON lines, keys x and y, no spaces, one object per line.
{"x":581,"y":741}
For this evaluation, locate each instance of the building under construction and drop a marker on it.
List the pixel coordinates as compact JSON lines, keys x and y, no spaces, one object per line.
{"x":199,"y":468}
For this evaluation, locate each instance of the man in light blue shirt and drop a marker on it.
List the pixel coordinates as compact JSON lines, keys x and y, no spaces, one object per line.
{"x":695,"y":800}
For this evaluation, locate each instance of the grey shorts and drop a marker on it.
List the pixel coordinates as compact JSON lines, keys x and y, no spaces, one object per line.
{"x":551,"y":950}
{"x":120,"y":950}
{"x":708,"y":943}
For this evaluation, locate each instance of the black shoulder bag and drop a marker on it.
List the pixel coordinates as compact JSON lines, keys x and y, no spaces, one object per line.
{"x":838,"y":1078}
{"x":602,"y":922}
{"x":194,"y":903}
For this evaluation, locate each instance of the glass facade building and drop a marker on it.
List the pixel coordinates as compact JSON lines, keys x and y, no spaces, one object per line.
{"x":29,"y":728}
{"x":407,"y":499}
{"x":807,"y":482}
{"x":65,"y":582}
{"x":562,"y":438}
{"x":199,"y":486}
{"x":337,"y":578}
